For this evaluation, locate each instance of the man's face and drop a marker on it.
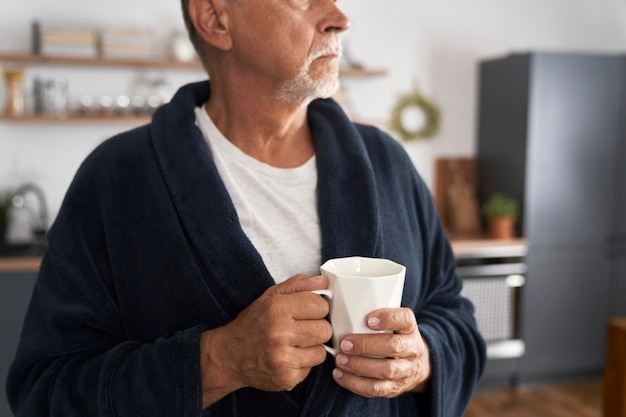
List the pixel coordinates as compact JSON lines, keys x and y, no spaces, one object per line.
{"x":293,"y":45}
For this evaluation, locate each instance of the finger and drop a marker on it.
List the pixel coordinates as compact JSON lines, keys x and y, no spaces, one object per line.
{"x":367,"y":387}
{"x":311,"y":356}
{"x":391,"y":345}
{"x":308,"y":306}
{"x":299,"y":283}
{"x":399,"y":320}
{"x":287,"y":377}
{"x":376,"y":368}
{"x":297,"y":365}
{"x":309,"y":333}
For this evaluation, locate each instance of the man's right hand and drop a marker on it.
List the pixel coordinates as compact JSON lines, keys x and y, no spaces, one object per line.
{"x":271,"y":345}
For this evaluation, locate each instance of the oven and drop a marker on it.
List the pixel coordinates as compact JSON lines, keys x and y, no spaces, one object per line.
{"x":493,"y":279}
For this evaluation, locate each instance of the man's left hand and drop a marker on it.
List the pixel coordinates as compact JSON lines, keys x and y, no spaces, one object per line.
{"x":383,"y":364}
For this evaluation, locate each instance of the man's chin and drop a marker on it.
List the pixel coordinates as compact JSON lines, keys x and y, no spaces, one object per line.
{"x":305,"y":91}
{"x":326,"y":86}
{"x":328,"y":91}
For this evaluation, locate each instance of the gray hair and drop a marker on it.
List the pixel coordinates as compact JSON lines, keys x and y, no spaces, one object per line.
{"x":194,"y":36}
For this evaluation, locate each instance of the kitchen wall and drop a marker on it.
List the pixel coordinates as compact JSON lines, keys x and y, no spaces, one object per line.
{"x":433,"y":44}
{"x":439,"y":43}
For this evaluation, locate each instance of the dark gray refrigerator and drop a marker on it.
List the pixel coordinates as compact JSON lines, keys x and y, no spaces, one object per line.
{"x":552,"y":134}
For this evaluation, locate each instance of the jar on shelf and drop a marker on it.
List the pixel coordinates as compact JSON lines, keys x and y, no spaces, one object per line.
{"x":55,"y":97}
{"x":14,"y":82}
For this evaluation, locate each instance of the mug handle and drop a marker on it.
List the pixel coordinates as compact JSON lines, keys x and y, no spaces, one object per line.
{"x":329,"y":294}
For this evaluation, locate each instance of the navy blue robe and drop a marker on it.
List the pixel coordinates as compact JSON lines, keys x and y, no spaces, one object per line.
{"x":147,"y":252}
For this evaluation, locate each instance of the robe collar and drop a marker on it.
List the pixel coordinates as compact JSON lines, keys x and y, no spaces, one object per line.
{"x":347,"y":194}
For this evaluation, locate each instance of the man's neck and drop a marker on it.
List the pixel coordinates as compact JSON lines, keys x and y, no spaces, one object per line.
{"x":263,"y":127}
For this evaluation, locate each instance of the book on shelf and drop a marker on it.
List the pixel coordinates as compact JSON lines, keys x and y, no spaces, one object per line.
{"x":64,"y":39}
{"x":127,"y":42}
{"x":80,"y":40}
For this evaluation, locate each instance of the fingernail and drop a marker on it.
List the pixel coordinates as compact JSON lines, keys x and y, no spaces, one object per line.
{"x":373,"y":322}
{"x":346,"y":346}
{"x":337,"y":373}
{"x":342,"y":359}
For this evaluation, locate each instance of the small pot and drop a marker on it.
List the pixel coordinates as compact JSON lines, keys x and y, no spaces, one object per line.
{"x":501,"y":227}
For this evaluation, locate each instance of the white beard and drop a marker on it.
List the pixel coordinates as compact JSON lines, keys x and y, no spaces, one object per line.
{"x":304,"y":89}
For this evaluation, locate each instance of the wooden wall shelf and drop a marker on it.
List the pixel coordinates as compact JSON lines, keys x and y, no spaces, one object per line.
{"x":33,"y":59}
{"x":28,"y":59}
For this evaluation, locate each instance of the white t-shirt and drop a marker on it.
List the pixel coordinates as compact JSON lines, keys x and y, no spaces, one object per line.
{"x":277,"y":207}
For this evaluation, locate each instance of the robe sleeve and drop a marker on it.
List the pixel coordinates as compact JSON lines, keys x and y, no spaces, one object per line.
{"x":446,"y":321}
{"x":444,"y":318}
{"x":75,"y":357}
{"x":72,"y":359}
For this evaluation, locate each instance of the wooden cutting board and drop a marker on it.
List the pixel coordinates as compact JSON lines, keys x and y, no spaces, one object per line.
{"x":463,"y":210}
{"x":455,"y":195}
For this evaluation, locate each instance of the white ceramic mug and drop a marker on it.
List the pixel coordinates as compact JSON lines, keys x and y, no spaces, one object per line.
{"x":357,"y":286}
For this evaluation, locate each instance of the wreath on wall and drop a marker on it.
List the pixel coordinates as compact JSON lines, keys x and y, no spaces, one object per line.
{"x":415,"y":117}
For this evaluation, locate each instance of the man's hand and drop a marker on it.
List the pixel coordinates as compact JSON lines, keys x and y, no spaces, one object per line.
{"x":271,"y":345}
{"x":403,"y":362}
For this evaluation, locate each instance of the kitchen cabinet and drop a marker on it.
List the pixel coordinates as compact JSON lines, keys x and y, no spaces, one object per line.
{"x":565,"y":313}
{"x":618,"y":240}
{"x":618,"y":301}
{"x":15,"y":293}
{"x":551,"y":134}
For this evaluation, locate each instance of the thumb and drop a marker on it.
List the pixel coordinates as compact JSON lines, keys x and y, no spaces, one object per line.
{"x":299,"y":283}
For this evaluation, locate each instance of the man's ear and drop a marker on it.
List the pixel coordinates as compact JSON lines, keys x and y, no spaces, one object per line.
{"x":210,"y":19}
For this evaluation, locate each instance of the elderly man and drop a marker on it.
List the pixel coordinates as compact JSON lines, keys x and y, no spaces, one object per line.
{"x":179,"y":272}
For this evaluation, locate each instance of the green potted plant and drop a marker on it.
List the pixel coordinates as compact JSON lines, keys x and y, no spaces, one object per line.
{"x":501,"y":212}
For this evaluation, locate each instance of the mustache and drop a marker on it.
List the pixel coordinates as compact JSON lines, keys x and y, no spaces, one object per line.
{"x":327,"y":46}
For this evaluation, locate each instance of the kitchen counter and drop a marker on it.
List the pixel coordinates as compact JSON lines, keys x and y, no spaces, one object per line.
{"x":467,"y":248}
{"x":20,"y":264}
{"x":461,"y":247}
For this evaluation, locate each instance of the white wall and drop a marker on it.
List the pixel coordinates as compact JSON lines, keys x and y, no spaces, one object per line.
{"x":49,"y":154}
{"x":439,"y":43}
{"x":435,"y":43}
